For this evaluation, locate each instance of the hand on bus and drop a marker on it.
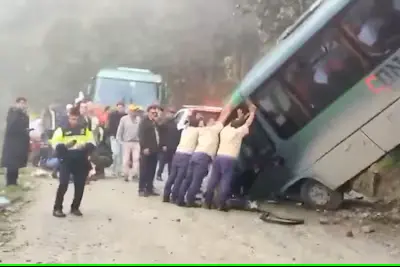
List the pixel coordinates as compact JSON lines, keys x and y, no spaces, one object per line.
{"x":164,"y":148}
{"x":146,"y":151}
{"x":252,"y":108}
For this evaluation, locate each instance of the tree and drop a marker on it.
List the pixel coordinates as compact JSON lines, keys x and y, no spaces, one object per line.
{"x":273,"y":16}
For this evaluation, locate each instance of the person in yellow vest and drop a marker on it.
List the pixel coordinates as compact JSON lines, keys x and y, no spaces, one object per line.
{"x":73,"y":143}
{"x":225,"y":161}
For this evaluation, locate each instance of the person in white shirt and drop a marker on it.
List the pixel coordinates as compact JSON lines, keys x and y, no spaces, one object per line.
{"x":205,"y":151}
{"x":180,"y":162}
{"x":224,"y":163}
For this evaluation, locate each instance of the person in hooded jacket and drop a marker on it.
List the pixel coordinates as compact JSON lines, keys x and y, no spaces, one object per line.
{"x":16,"y":141}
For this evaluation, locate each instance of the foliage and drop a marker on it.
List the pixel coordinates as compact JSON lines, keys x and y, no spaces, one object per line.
{"x":273,"y":17}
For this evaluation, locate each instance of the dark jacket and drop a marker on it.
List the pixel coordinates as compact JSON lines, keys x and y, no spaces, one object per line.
{"x":85,"y":122}
{"x":170,"y":135}
{"x":147,"y":136}
{"x":16,"y":140}
{"x":102,"y":155}
{"x":113,"y":122}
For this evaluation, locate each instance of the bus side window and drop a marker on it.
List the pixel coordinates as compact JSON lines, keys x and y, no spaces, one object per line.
{"x":374,"y":25}
{"x":281,"y":110}
{"x":324,"y":69}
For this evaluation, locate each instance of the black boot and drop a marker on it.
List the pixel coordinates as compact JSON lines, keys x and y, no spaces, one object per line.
{"x":181,"y":204}
{"x":76,"y":212}
{"x":223,"y":208}
{"x":193,"y":205}
{"x":207,"y":206}
{"x":152,"y":193}
{"x":143,"y":194}
{"x":59,"y":214}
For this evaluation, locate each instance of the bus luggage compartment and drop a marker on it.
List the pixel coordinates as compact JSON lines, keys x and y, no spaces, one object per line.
{"x":346,"y":160}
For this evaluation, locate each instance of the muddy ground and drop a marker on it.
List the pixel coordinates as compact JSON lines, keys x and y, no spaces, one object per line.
{"x":120,"y":227}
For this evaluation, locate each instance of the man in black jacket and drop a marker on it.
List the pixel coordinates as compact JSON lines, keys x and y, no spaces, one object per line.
{"x":112,"y":126}
{"x":16,"y":141}
{"x":149,"y":139}
{"x":170,"y":136}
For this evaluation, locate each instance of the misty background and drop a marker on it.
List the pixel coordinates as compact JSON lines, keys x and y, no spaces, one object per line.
{"x":51,"y":48}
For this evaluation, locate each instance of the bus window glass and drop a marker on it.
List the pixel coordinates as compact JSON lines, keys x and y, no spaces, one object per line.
{"x":324,"y":69}
{"x":374,"y":24}
{"x":284,"y":114}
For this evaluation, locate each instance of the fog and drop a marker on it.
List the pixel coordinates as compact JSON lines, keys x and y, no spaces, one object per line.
{"x":51,"y":48}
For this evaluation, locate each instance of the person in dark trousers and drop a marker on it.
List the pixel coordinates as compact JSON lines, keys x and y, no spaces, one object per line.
{"x":102,"y":155}
{"x":149,"y":139}
{"x":180,"y":162}
{"x":225,"y":162}
{"x":205,"y":151}
{"x":73,"y":145}
{"x":170,"y":140}
{"x":112,"y":127}
{"x":16,"y":141}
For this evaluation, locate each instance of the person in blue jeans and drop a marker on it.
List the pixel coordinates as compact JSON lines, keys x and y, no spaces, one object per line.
{"x":225,"y":161}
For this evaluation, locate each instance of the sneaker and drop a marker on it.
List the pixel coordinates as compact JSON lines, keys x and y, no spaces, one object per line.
{"x":126,"y":179}
{"x":59,"y":214}
{"x":166,"y":200}
{"x":76,"y":212}
{"x":142,"y":194}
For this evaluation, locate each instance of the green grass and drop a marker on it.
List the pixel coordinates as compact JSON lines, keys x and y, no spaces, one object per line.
{"x":16,"y":193}
{"x":390,"y":161}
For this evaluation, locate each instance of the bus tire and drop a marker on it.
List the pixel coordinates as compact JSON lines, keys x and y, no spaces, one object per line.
{"x":317,"y":196}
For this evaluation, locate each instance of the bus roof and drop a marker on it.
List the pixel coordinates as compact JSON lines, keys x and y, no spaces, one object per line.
{"x":203,"y":108}
{"x":131,"y":74}
{"x":300,"y":20}
{"x":290,"y":43}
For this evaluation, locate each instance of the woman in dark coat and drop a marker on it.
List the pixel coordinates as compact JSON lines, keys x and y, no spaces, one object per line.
{"x":16,"y":141}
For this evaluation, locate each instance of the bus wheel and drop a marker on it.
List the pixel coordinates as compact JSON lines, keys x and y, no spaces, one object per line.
{"x":318,"y":196}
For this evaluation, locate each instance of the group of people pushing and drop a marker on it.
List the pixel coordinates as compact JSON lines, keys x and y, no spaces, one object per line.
{"x":200,"y":146}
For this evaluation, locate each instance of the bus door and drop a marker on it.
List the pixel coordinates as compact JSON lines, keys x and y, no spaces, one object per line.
{"x":259,"y":163}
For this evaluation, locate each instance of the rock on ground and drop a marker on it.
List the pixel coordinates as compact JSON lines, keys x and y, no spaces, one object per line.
{"x":120,"y":227}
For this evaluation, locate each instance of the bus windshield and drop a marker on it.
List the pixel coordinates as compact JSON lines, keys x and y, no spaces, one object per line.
{"x":110,"y":91}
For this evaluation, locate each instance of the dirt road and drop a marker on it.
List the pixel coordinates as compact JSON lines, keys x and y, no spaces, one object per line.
{"x":120,"y":227}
